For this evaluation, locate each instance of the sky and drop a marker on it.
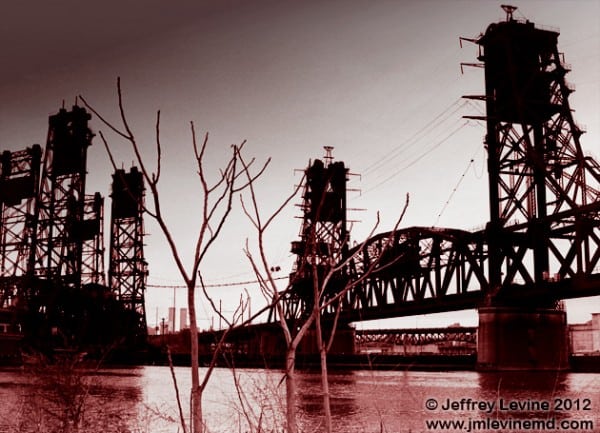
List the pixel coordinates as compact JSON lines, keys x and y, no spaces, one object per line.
{"x":380,"y":81}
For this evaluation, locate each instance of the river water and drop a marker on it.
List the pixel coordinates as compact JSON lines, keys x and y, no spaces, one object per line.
{"x":142,"y":400}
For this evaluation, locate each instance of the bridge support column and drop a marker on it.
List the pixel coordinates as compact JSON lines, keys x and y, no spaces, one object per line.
{"x":516,"y":338}
{"x":343,"y":341}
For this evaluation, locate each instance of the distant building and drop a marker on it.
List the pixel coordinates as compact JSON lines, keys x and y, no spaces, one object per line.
{"x":183,"y":318}
{"x":171,"y":323}
{"x":585,"y":337}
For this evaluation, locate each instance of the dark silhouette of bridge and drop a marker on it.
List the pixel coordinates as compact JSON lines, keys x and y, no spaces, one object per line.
{"x":52,"y":280}
{"x":541,"y":245}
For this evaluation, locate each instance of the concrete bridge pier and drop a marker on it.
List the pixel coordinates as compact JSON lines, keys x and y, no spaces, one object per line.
{"x":343,"y":341}
{"x":522,"y":339}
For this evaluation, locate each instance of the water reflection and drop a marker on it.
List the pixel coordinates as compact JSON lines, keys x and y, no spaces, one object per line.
{"x":58,"y":398}
{"x":143,"y":399}
{"x":541,"y":395}
{"x":518,"y":382}
{"x":342,"y":388}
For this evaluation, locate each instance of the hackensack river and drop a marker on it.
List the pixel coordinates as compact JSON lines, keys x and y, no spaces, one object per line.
{"x":142,"y":399}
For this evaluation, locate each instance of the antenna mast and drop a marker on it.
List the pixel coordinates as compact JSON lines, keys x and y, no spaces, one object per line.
{"x":509,"y":11}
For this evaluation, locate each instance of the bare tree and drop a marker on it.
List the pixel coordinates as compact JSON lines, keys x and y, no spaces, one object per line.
{"x":216,"y":204}
{"x":321,"y":303}
{"x":293,"y":330}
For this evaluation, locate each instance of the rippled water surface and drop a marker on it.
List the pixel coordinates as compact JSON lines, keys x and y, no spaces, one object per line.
{"x":142,"y":399}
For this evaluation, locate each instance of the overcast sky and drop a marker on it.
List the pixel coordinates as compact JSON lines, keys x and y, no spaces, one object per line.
{"x":378,"y":80}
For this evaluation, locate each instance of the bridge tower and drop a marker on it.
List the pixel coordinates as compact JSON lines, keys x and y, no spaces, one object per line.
{"x":128,"y":268}
{"x":19,"y":185}
{"x":92,"y":238}
{"x":61,"y":226}
{"x":542,"y":195}
{"x":323,"y":233}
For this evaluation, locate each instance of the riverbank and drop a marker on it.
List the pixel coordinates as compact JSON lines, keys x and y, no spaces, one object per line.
{"x":156,"y":355}
{"x":423,"y":362}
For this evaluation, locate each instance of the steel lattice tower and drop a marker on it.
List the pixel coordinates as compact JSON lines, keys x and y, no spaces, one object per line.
{"x":19,"y":184}
{"x":62,"y":198}
{"x":92,"y":238}
{"x":324,"y":233}
{"x":543,"y":190}
{"x":544,"y":199}
{"x":128,"y":268}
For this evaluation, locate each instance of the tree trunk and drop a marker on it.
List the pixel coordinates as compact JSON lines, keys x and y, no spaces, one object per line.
{"x":326,"y":393}
{"x":324,"y":377}
{"x":196,"y":395}
{"x":290,"y":388}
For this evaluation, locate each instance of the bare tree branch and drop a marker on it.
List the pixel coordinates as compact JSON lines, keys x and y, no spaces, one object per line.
{"x":106,"y":122}
{"x":156,"y":176}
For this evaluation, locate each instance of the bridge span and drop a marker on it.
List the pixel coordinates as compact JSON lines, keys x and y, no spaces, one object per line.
{"x":541,"y":244}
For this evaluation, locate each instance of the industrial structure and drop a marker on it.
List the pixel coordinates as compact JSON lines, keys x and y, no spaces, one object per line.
{"x":452,"y":340}
{"x":52,"y":275}
{"x":19,"y":186}
{"x":541,"y":245}
{"x":59,"y":217}
{"x":324,"y":233}
{"x":128,"y":271}
{"x":585,"y":337}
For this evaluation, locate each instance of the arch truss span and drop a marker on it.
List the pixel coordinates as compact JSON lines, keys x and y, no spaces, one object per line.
{"x":416,"y":270}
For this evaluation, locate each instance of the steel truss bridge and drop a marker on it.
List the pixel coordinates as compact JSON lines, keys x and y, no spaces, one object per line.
{"x":423,"y":270}
{"x":542,"y":243}
{"x":416,"y":336}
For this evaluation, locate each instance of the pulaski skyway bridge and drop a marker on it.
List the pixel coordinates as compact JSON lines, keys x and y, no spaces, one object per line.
{"x":514,"y":274}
